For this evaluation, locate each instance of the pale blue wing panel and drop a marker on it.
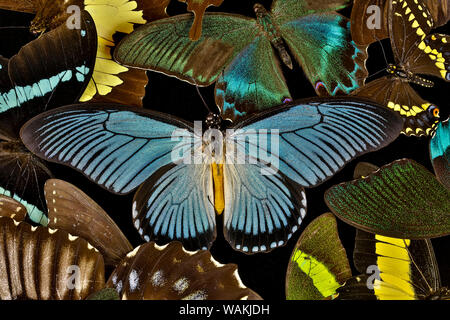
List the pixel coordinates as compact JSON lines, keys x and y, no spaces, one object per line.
{"x":176,"y":203}
{"x":252,"y":82}
{"x":322,"y":45}
{"x":117,"y":148}
{"x":262,"y":211}
{"x":316,"y":137}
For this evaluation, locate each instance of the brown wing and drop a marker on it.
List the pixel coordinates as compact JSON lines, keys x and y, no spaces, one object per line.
{"x":28,"y":6}
{"x":12,"y":209}
{"x":153,"y":9}
{"x":169,"y":272}
{"x":39,"y":263}
{"x":365,"y":17}
{"x":440,"y":10}
{"x":420,"y":117}
{"x":432,"y":56}
{"x":409,"y":23}
{"x":72,"y":210}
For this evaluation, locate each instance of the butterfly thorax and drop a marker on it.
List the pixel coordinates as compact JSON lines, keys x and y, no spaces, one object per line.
{"x":402,"y":73}
{"x":270,"y":30}
{"x":51,"y":14}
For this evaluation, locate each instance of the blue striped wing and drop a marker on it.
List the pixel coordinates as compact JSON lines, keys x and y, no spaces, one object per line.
{"x":116,"y":147}
{"x":176,"y":203}
{"x":318,"y":137}
{"x":262,"y":211}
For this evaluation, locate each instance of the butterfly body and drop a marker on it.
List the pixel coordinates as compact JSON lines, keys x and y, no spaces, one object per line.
{"x":271,"y":31}
{"x":408,"y":76}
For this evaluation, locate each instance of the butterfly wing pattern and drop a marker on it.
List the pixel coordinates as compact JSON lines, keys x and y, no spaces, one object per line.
{"x":50,"y":71}
{"x":119,"y":149}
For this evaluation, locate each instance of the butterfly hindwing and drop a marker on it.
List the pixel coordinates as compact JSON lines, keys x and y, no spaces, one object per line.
{"x":72,"y":210}
{"x":318,"y":263}
{"x":176,"y":203}
{"x":39,"y":263}
{"x":170,"y":272}
{"x":339,"y":67}
{"x":420,"y":117}
{"x":440,"y":153}
{"x":253,"y":81}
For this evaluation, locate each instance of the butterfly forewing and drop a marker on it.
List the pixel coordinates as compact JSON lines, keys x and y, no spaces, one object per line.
{"x":72,"y":210}
{"x":400,"y":200}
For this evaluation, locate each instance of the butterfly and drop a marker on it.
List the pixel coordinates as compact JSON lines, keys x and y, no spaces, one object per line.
{"x":416,"y":51}
{"x":242,"y":54}
{"x":40,"y":263}
{"x":318,"y":265}
{"x":152,"y":272}
{"x":393,"y":269}
{"x":109,"y":82}
{"x":369,"y":18}
{"x":50,"y":71}
{"x":440,"y":153}
{"x":71,"y":210}
{"x":401,"y":200}
{"x":253,"y":173}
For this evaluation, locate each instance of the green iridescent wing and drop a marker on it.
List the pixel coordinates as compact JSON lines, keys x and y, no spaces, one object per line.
{"x":288,"y":10}
{"x":164,"y":46}
{"x":401,"y":200}
{"x":318,"y":264}
{"x":321,"y":43}
{"x":253,"y":81}
{"x":440,"y":153}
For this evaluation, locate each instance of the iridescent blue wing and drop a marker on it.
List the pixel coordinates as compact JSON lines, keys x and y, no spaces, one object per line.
{"x":116,"y":147}
{"x":440,"y":152}
{"x":272,"y":155}
{"x":176,"y":203}
{"x":322,"y":45}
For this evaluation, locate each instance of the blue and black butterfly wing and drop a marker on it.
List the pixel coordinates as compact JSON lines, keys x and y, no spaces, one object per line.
{"x":116,"y":147}
{"x":319,"y":136}
{"x":262,"y":211}
{"x":264,"y":199}
{"x":48,"y":72}
{"x":176,"y":203}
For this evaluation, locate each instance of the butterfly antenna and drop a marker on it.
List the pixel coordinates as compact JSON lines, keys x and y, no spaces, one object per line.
{"x":382,"y":50}
{"x":417,"y":267}
{"x":201,"y":96}
{"x":13,"y":27}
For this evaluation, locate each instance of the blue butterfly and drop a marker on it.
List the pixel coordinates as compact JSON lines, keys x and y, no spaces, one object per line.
{"x":257,"y":185}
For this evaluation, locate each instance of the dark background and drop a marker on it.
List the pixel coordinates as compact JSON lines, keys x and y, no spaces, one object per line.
{"x":264,"y":273}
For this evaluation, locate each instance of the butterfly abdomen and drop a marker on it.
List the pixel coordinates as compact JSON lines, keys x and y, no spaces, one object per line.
{"x":270,"y":30}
